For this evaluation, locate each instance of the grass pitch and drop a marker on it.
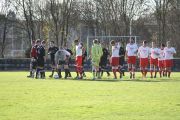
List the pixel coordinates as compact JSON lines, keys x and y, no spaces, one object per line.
{"x":30,"y":99}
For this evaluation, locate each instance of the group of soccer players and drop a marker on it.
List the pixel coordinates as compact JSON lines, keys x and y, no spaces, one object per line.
{"x":160,"y":59}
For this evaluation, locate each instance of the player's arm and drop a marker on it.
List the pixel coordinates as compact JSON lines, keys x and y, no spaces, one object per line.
{"x":67,"y":53}
{"x":56,"y":58}
{"x":136,"y":49}
{"x":149,"y":52}
{"x":44,"y":54}
{"x":174,"y":51}
{"x":118,"y":45}
{"x":49,"y":51}
{"x":138,"y":53}
{"x":126,"y":53}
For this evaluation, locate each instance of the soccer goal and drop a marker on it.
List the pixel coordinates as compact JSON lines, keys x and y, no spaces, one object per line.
{"x":106,"y":40}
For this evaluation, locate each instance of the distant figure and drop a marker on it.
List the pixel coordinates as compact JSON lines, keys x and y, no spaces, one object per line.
{"x":131,"y":53}
{"x":40,"y":59}
{"x":51,"y":51}
{"x":168,"y":58}
{"x":78,"y":59}
{"x":96,"y":53}
{"x":61,"y":60}
{"x":143,"y":53}
{"x":33,"y":63}
{"x":161,"y":61}
{"x":121,"y":61}
{"x":115,"y":58}
{"x":104,"y":61}
{"x":154,"y":60}
{"x":69,"y":58}
{"x":84,"y":57}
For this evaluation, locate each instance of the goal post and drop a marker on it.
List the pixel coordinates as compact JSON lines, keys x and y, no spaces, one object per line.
{"x":107,"y":39}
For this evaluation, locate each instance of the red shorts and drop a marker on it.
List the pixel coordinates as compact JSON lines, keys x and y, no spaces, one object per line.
{"x":131,"y":60}
{"x":168,"y":63}
{"x":153,"y":61}
{"x":144,"y":62}
{"x":114,"y":61}
{"x":161,"y":63}
{"x":78,"y":61}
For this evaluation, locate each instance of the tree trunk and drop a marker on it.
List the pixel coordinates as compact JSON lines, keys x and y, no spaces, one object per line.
{"x":4,"y":37}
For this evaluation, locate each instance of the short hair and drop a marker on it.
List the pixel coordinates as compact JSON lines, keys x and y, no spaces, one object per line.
{"x":81,"y":43}
{"x":162,"y":44}
{"x":144,"y":41}
{"x":95,"y":41}
{"x":112,"y":42}
{"x":99,"y":41}
{"x":33,"y":41}
{"x":52,"y":41}
{"x":38,"y":41}
{"x":43,"y":41}
{"x":76,"y":41}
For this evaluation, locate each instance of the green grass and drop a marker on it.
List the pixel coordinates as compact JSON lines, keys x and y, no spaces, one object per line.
{"x":30,"y":99}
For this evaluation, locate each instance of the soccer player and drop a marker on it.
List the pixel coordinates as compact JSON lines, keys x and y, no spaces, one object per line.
{"x":154,"y":59}
{"x":78,"y":59}
{"x":104,"y":61}
{"x":143,"y":53}
{"x":84,"y":56}
{"x":131,"y":53}
{"x":161,"y":60}
{"x":33,"y":63}
{"x":121,"y":60}
{"x":69,"y":58}
{"x":96,"y":53}
{"x":40,"y":59}
{"x":51,"y":51}
{"x":115,"y":57}
{"x":168,"y":56}
{"x":61,"y":59}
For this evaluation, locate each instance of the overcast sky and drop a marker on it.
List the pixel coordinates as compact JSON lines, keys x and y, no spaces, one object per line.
{"x":151,"y":3}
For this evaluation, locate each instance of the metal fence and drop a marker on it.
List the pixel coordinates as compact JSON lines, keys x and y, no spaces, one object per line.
{"x":23,"y":65}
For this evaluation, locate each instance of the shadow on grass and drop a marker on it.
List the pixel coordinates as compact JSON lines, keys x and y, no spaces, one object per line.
{"x":122,"y":80}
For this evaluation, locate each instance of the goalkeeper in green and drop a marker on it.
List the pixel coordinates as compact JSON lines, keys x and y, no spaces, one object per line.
{"x":96,"y":53}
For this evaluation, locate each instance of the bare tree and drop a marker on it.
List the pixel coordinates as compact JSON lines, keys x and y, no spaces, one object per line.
{"x":4,"y":19}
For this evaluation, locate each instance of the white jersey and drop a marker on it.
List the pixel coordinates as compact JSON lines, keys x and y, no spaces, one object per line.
{"x":154,"y":53}
{"x":168,"y":53}
{"x":161,"y":54}
{"x":78,"y":50}
{"x":115,"y":51}
{"x":144,"y":52}
{"x":131,"y":49}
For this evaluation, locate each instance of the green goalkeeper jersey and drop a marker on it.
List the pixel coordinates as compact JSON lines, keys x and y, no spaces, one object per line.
{"x":96,"y":52}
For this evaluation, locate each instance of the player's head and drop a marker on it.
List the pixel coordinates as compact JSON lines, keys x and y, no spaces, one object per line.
{"x":144,"y":43}
{"x":112,"y":42}
{"x":95,"y":41}
{"x":33,"y":42}
{"x":43,"y":43}
{"x":76,"y":42}
{"x":168,"y":43}
{"x":162,"y":45}
{"x":38,"y":42}
{"x":131,"y":40}
{"x":99,"y":42}
{"x":51,"y":44}
{"x":103,"y":44}
{"x":82,"y":44}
